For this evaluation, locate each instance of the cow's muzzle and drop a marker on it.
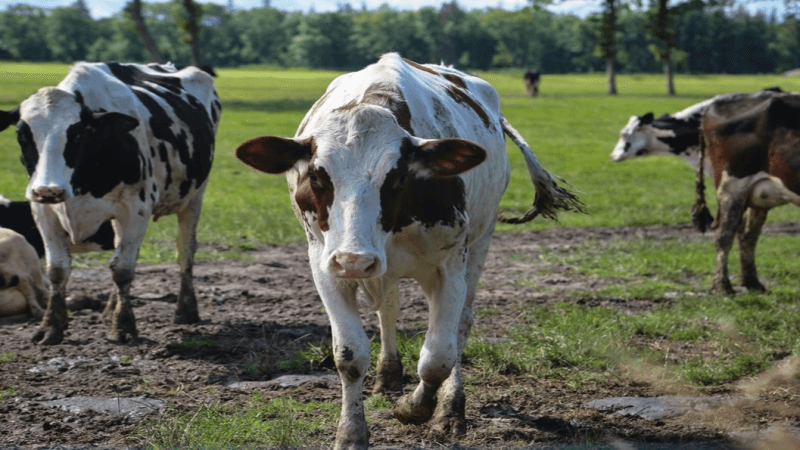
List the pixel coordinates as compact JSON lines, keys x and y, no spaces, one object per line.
{"x":354,"y":265}
{"x":48,"y":194}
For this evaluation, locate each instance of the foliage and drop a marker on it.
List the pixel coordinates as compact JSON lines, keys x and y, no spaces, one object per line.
{"x":706,"y":39}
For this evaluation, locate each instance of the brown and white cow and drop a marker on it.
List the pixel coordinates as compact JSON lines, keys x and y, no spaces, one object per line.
{"x":118,"y":142}
{"x":531,"y":78}
{"x":753,"y":146}
{"x":397,"y":172}
{"x":23,"y":286}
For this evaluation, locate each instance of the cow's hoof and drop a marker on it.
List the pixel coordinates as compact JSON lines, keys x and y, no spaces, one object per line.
{"x":408,"y":412}
{"x":450,"y":425}
{"x":389,"y":378}
{"x":755,"y":287}
{"x":722,"y":288}
{"x":123,"y":334}
{"x":354,"y":437}
{"x":48,"y":336}
{"x":186,"y":317}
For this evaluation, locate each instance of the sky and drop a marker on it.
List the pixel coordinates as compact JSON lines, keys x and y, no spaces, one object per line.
{"x":105,"y":8}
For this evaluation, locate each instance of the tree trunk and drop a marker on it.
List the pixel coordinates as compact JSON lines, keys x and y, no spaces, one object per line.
{"x":191,"y":26}
{"x":666,"y":39}
{"x":136,"y":13}
{"x":610,"y":31}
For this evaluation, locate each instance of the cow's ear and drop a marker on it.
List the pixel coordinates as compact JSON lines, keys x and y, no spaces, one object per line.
{"x":272,"y":154}
{"x":446,"y":157}
{"x":116,"y":123}
{"x":8,"y":118}
{"x":646,"y":119}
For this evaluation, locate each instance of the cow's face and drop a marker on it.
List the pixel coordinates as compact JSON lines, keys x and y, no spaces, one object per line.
{"x":635,"y":139}
{"x":69,"y":150}
{"x":357,"y":175}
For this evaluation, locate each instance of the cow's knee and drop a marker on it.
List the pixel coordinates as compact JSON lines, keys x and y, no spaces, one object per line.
{"x":351,"y":362}
{"x":436,"y":360}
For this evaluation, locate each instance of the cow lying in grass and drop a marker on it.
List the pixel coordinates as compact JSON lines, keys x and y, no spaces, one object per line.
{"x":753,"y":148}
{"x":23,"y":287}
{"x":397,"y":172}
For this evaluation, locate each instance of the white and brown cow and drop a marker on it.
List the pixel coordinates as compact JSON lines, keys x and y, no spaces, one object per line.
{"x":753,"y":146}
{"x":119,"y":142}
{"x":397,"y":172}
{"x":23,"y":286}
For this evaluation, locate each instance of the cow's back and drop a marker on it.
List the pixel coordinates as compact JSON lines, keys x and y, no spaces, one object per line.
{"x":746,"y":134}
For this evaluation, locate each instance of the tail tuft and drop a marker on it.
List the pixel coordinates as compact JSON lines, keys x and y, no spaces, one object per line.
{"x":550,"y":197}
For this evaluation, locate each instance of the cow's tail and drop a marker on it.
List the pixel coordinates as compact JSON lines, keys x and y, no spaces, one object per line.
{"x":550,"y":197}
{"x":701,"y":216}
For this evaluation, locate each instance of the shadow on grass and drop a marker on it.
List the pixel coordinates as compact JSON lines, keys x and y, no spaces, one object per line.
{"x":279,"y":105}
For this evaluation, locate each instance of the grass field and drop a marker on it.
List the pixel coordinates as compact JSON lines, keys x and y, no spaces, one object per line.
{"x":572,"y":126}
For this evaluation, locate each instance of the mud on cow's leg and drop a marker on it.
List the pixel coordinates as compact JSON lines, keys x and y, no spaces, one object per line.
{"x":750,"y":230}
{"x":123,"y":321}
{"x":186,"y":309}
{"x":389,"y":373}
{"x":55,"y":321}
{"x":731,"y":209}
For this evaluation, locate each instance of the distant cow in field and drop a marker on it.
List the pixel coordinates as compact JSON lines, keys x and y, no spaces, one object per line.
{"x":397,"y":172}
{"x":18,"y":216}
{"x":532,"y":82}
{"x":753,"y":147}
{"x":119,"y":142}
{"x":23,"y":286}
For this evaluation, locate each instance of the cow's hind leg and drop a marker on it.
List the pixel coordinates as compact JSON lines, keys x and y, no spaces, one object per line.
{"x":389,"y":373}
{"x":748,"y":238}
{"x":438,"y":358}
{"x":186,"y":309}
{"x":732,"y":205}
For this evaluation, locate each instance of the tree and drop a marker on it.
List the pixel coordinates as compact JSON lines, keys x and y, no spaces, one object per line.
{"x":665,"y":35}
{"x":188,"y":20}
{"x":134,"y":10}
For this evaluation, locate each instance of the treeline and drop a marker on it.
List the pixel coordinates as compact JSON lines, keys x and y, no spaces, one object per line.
{"x":706,"y":40}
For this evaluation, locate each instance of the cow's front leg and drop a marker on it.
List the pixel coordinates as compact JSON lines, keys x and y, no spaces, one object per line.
{"x":732,"y":204}
{"x":748,"y":238}
{"x":123,"y":269}
{"x":389,"y":373}
{"x":446,"y":293}
{"x":350,"y":353}
{"x":59,"y":266}
{"x":186,"y":309}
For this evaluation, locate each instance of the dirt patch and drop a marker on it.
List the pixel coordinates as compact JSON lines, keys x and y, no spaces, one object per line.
{"x":256,"y":314}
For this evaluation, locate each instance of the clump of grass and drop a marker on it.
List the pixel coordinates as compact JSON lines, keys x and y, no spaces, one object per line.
{"x":6,"y":357}
{"x":282,"y":422}
{"x":7,"y":393}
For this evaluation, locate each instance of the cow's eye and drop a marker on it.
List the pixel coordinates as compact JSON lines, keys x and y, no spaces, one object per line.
{"x":313,"y":177}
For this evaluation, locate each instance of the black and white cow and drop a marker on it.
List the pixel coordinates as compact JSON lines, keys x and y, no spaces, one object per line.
{"x":753,"y":145}
{"x":677,"y":134}
{"x":397,"y":172}
{"x":119,"y":142}
{"x":18,"y":216}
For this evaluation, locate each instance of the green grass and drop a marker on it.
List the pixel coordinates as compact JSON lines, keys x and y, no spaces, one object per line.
{"x":572,"y":126}
{"x":6,"y":357}
{"x":282,"y":422}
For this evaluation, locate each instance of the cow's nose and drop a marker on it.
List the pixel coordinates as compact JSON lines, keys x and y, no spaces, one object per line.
{"x":49,"y":194}
{"x":354,"y":265}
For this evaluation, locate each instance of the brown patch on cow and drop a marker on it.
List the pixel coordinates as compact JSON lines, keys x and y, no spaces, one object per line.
{"x":462,"y":97}
{"x":315,"y":194}
{"x":455,"y":79}
{"x":419,"y":66}
{"x":406,"y":198}
{"x":388,"y":96}
{"x":784,"y":158}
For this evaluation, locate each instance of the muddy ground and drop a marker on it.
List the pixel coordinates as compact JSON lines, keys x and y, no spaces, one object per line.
{"x":261,"y":312}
